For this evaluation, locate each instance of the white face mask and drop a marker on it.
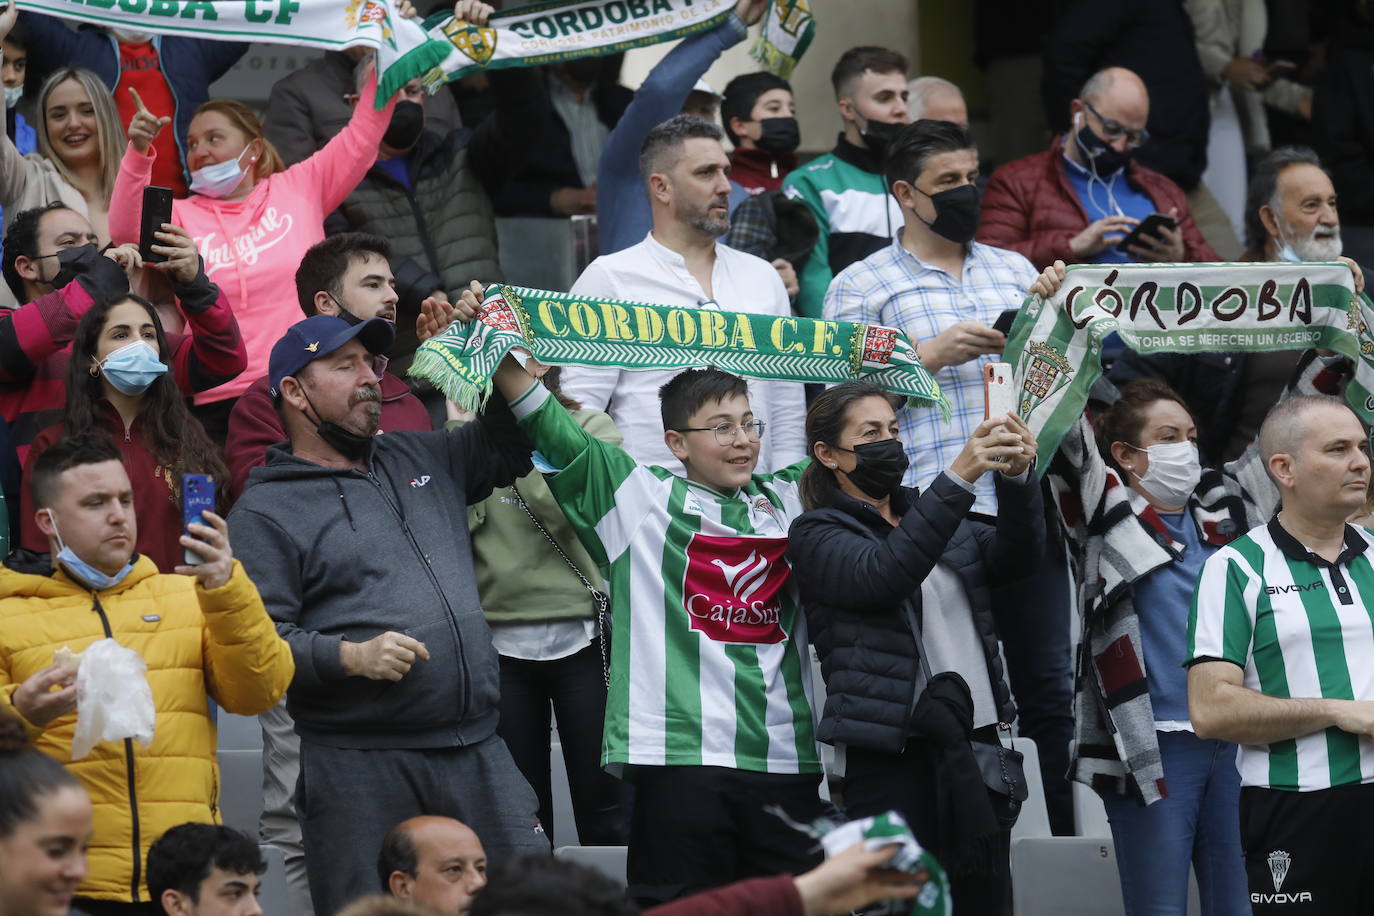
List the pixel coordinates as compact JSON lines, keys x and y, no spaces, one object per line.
{"x":13,"y":94}
{"x":1173,"y":474}
{"x":219,"y":178}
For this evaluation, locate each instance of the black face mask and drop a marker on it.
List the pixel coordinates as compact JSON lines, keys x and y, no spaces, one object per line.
{"x":879,"y":467}
{"x":72,"y":262}
{"x":352,"y":319}
{"x":780,"y":135}
{"x":347,"y":443}
{"x":956,"y":213}
{"x":879,"y":136}
{"x":407,"y":121}
{"x":1101,"y":157}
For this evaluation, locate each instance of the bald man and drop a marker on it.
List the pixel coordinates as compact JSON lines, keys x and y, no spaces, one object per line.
{"x":937,"y":99}
{"x":434,"y":861}
{"x":1080,"y":199}
{"x":1280,"y":654}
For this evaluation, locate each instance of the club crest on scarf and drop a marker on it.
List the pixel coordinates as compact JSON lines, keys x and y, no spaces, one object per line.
{"x":479,"y":44}
{"x":361,"y":13}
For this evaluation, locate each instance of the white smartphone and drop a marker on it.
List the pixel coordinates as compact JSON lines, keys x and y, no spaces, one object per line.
{"x":999,"y":393}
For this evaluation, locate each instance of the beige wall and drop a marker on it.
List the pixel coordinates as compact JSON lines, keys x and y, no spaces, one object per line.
{"x":840,"y":24}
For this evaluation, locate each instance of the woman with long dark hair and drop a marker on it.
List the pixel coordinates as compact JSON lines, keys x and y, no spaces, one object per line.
{"x":45,"y":824}
{"x":896,"y":589}
{"x":119,"y":383}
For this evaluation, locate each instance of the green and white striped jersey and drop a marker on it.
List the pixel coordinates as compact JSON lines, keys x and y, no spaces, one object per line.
{"x":1300,"y":627}
{"x":709,"y":663}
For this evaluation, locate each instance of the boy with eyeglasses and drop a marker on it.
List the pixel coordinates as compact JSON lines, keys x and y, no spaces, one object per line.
{"x":709,"y":712}
{"x":1079,"y":200}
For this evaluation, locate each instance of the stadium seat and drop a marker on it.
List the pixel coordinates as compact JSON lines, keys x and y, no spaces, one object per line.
{"x":609,"y":860}
{"x":1035,"y":816}
{"x":1088,"y":813}
{"x":239,"y":733}
{"x":240,"y":789}
{"x":1065,"y":876}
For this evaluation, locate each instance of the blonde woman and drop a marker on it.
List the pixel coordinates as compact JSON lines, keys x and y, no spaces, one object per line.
{"x":80,"y":142}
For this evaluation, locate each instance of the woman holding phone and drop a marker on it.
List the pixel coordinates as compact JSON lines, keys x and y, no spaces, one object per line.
{"x":251,"y":217}
{"x":129,"y":379}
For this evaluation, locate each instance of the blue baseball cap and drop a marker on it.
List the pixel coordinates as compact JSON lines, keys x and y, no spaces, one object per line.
{"x":319,"y":335}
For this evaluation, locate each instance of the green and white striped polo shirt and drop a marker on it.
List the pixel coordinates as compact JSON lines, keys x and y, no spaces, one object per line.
{"x":1300,"y":627}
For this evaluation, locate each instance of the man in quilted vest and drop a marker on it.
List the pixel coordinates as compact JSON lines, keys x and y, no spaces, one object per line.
{"x":202,"y":631}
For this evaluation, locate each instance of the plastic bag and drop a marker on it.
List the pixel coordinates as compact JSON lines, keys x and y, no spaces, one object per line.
{"x":113,"y":699}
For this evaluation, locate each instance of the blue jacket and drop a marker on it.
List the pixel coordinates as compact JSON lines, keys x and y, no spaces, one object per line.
{"x":622,"y":208}
{"x":189,"y":65}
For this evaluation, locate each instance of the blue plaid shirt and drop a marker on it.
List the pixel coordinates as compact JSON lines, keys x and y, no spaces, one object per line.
{"x":892,"y":287}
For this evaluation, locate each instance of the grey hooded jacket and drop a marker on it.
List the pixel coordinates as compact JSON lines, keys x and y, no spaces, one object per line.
{"x":341,"y":554}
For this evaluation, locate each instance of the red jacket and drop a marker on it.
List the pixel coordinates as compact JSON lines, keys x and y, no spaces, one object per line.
{"x":755,"y":897}
{"x":156,"y":504}
{"x":752,"y":169}
{"x":1030,"y":207}
{"x":254,"y":425}
{"x":35,"y":348}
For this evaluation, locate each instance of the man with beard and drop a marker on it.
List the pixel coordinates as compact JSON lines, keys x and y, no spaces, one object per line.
{"x":1290,"y":215}
{"x":681,"y":263}
{"x":845,"y":188}
{"x":359,"y":546}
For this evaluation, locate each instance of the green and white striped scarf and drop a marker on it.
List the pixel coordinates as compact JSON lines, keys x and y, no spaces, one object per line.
{"x":442,"y":48}
{"x":564,"y":330}
{"x":1056,"y":345}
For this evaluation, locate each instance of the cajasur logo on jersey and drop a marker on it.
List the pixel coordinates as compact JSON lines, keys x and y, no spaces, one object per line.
{"x":732,"y":591}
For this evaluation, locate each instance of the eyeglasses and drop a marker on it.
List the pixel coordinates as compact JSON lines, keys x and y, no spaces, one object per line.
{"x":726,"y":432}
{"x":1113,"y":129}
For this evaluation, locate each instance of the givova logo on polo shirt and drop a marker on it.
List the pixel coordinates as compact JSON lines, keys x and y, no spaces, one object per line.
{"x":1286,"y":589}
{"x":732,"y":588}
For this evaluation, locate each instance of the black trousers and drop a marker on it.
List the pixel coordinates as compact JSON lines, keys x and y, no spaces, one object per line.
{"x":694,"y":828}
{"x":1309,"y":852}
{"x":876,"y":782}
{"x":574,"y":690}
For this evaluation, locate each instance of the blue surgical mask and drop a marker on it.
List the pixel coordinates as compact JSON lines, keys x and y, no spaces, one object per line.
{"x":133,"y":367}
{"x":81,"y":571}
{"x":220,"y":178}
{"x":1286,"y":253}
{"x":12,"y":95}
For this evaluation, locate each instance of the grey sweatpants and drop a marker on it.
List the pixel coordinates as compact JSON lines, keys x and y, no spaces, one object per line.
{"x":348,"y":800}
{"x":280,"y":770}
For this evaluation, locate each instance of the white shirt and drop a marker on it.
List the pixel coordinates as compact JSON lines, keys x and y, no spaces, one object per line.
{"x":650,"y":272}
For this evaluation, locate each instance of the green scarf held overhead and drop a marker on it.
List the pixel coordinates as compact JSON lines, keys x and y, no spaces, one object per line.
{"x":564,"y":330}
{"x":1056,"y":344}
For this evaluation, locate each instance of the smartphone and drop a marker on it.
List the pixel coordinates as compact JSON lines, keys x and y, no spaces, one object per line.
{"x":1005,"y":321}
{"x":197,"y":496}
{"x":157,"y":209}
{"x":1150,"y":226}
{"x":999,"y":395}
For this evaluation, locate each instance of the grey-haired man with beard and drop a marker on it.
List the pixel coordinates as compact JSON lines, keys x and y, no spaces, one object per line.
{"x":1290,"y":215}
{"x":359,"y":546}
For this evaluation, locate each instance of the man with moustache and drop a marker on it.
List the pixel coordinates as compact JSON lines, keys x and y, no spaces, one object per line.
{"x":359,"y":546}
{"x":1290,"y":216}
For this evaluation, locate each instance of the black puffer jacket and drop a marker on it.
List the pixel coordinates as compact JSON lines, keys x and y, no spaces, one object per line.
{"x":860,"y":582}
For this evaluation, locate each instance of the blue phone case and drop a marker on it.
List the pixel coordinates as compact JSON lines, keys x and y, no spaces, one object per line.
{"x":197,"y":495}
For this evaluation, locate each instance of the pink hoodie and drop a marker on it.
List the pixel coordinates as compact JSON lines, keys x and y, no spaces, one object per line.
{"x":253,"y":246}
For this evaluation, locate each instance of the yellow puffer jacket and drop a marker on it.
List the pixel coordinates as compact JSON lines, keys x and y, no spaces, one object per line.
{"x":195,"y":642}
